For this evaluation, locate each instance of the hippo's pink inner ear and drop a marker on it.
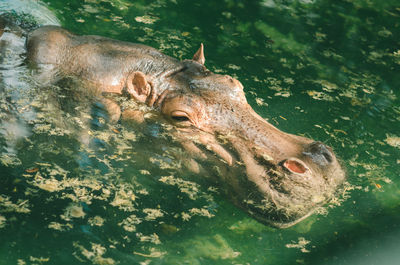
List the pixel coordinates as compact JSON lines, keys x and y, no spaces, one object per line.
{"x":199,"y":55}
{"x":295,"y":166}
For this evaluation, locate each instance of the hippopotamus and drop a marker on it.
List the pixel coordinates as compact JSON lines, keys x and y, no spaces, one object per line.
{"x":279,"y":178}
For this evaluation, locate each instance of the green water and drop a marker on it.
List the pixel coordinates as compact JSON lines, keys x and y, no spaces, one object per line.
{"x":328,"y":70}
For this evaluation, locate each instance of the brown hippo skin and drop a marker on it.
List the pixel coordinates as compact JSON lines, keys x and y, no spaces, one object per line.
{"x":276,"y":177}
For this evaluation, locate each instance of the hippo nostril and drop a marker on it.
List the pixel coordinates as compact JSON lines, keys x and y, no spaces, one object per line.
{"x":295,"y":166}
{"x":319,"y":153}
{"x":327,"y":156}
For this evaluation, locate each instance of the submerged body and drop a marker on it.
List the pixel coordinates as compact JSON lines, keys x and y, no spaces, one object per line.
{"x":279,"y":178}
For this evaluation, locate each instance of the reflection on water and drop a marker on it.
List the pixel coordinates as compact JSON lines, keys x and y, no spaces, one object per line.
{"x":94,"y":192}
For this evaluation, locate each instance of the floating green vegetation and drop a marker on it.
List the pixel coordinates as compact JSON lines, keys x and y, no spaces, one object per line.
{"x":301,"y":244}
{"x":7,"y":205}
{"x":393,"y":140}
{"x":94,"y":254}
{"x":211,"y":248}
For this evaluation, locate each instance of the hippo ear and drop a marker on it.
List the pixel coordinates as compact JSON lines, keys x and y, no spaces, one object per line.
{"x":137,"y":86}
{"x":199,"y":55}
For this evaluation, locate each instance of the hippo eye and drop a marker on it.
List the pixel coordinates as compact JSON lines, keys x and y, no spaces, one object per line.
{"x":180,"y":116}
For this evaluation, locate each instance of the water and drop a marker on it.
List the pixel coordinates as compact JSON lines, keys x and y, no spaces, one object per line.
{"x":324,"y":69}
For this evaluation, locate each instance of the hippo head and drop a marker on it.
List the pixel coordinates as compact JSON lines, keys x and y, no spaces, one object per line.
{"x":278,"y":178}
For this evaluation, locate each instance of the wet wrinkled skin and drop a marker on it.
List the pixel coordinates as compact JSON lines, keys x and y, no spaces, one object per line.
{"x":278,"y":178}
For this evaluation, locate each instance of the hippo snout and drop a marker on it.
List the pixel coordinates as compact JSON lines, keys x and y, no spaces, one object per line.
{"x":305,"y":176}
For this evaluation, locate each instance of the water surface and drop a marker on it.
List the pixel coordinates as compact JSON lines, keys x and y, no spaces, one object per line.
{"x":328,"y":70}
